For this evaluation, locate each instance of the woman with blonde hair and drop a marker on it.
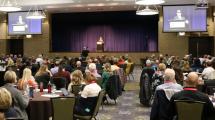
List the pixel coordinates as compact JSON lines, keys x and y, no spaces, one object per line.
{"x":76,"y":79}
{"x":6,"y":103}
{"x":43,"y":69}
{"x":5,"y":99}
{"x":27,"y":80}
{"x":10,"y":62}
{"x":20,"y":100}
{"x":43,"y":75}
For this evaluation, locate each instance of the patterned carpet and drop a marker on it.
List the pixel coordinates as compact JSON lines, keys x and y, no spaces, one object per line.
{"x":128,"y":106}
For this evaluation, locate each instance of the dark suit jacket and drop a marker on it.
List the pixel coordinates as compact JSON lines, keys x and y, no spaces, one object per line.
{"x":208,"y":110}
{"x":159,"y":106}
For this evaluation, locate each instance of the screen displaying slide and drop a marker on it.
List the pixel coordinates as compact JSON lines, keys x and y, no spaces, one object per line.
{"x":184,"y":18}
{"x":19,"y":25}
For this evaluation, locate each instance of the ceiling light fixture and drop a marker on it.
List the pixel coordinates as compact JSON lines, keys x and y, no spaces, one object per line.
{"x":202,"y":4}
{"x":146,"y":11}
{"x":181,"y":33}
{"x":9,"y":6}
{"x":149,"y":2}
{"x":35,"y":13}
{"x":28,"y":36}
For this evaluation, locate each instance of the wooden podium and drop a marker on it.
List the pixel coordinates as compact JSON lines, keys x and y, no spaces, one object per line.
{"x":99,"y":46}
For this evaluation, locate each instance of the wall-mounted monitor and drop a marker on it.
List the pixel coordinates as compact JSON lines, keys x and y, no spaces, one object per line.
{"x":184,"y":18}
{"x":19,"y":25}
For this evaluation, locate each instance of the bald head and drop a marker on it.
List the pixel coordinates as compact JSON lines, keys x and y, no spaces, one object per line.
{"x":169,"y":75}
{"x":78,"y":63}
{"x":192,"y":79}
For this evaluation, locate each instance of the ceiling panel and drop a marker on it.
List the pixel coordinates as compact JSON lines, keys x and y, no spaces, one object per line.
{"x":92,"y":5}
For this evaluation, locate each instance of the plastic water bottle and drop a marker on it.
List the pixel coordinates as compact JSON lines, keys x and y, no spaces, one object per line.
{"x":53,"y":88}
{"x":31,"y":91}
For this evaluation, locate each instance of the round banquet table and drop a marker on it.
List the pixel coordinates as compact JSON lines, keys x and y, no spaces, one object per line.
{"x":40,"y":107}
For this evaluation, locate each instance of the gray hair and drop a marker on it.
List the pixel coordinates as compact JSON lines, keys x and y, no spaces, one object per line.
{"x":169,"y":75}
{"x":92,"y":66}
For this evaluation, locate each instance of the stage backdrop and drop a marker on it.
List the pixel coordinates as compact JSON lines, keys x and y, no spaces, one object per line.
{"x":121,"y":32}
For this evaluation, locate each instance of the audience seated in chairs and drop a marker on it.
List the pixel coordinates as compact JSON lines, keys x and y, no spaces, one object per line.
{"x":185,"y":65}
{"x":169,"y":81}
{"x":86,"y":103}
{"x":190,"y":93}
{"x":20,"y":98}
{"x":106,"y":74}
{"x":148,"y":69}
{"x":209,"y":72}
{"x":6,"y":104}
{"x":79,"y":67}
{"x":93,"y":70}
{"x":55,"y":68}
{"x":157,"y":78}
{"x":131,"y":69}
{"x":27,"y":80}
{"x":127,"y":66}
{"x":63,"y":74}
{"x":98,"y":66}
{"x":77,"y":81}
{"x":114,"y":66}
{"x":163,"y":94}
{"x":43,"y":76}
{"x":179,"y":77}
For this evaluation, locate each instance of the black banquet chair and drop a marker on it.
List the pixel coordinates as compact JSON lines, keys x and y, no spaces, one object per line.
{"x":96,"y":110}
{"x":209,"y":86}
{"x":59,"y":82}
{"x":76,"y":89}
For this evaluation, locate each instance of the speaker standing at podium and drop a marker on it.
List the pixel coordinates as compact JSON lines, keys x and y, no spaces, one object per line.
{"x":179,"y":22}
{"x":100,"y":45}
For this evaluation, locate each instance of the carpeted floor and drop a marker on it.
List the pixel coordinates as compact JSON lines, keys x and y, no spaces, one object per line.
{"x":128,"y":106}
